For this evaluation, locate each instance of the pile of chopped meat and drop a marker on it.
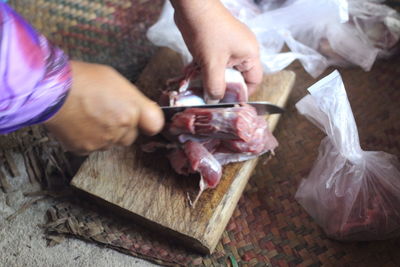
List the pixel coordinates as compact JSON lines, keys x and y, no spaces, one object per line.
{"x":202,"y":140}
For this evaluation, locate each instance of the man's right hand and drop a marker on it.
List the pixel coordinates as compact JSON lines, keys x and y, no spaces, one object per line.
{"x":102,"y":109}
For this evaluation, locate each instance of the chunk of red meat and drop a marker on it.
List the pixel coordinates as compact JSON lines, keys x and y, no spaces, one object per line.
{"x":211,"y":144}
{"x":202,"y":161}
{"x":228,"y":123}
{"x":194,"y":157}
{"x":183,"y":122}
{"x":205,"y":139}
{"x":261,"y":140}
{"x":179,"y":161}
{"x":184,"y":90}
{"x":190,"y":89}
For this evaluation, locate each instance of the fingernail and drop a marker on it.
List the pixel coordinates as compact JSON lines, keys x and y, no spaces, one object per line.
{"x":210,"y":100}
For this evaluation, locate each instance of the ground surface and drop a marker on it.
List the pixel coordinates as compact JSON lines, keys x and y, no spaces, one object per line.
{"x":22,"y":241}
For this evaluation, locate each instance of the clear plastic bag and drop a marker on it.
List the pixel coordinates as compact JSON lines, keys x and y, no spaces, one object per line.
{"x":379,"y":23}
{"x":294,"y":23}
{"x":165,"y":33}
{"x":352,"y":194}
{"x":319,"y":33}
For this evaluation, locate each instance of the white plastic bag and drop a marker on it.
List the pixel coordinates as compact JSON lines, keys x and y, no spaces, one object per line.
{"x":300,"y":24}
{"x":380,"y":24}
{"x":165,"y":33}
{"x":319,"y":33}
{"x":352,"y":194}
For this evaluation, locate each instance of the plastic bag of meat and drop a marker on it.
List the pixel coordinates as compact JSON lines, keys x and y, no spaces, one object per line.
{"x":202,"y":140}
{"x":318,"y":33}
{"x":352,"y":194}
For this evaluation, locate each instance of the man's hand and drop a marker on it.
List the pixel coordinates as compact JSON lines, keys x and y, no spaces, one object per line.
{"x":217,"y":40}
{"x":102,"y":109}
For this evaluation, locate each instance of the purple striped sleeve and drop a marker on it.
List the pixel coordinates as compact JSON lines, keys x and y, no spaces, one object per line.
{"x":35,"y":75}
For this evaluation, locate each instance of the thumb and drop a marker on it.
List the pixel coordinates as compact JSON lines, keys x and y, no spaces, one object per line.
{"x":214,"y":82}
{"x":151,"y":118}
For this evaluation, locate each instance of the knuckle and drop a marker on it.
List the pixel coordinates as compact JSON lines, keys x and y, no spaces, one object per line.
{"x":215,"y":94}
{"x":108,"y":137}
{"x":128,"y":142}
{"x":152,"y":120}
{"x":88,"y":147}
{"x":124,"y":119}
{"x":78,"y":150}
{"x":127,"y":117}
{"x":129,"y":139}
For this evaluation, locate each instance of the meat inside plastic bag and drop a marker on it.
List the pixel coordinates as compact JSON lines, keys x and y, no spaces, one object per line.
{"x":352,"y":194}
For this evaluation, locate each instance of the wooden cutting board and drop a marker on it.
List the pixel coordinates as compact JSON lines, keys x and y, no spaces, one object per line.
{"x":144,"y":187}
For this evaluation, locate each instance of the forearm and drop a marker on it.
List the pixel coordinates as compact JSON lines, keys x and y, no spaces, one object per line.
{"x":35,"y":75}
{"x":190,"y":7}
{"x":193,"y":12}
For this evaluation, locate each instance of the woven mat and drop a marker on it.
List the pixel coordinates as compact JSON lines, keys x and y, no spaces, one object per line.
{"x":268,"y":228}
{"x":110,"y":32}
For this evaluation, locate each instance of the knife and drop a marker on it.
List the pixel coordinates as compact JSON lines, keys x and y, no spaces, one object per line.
{"x":262,"y":108}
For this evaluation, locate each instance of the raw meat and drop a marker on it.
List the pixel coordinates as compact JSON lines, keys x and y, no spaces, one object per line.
{"x":202,"y":161}
{"x":187,"y":90}
{"x":260,"y":140}
{"x":202,"y":140}
{"x":228,"y":123}
{"x":194,"y":157}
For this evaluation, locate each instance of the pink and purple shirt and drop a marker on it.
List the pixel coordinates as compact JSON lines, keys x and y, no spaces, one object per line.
{"x":35,"y":75}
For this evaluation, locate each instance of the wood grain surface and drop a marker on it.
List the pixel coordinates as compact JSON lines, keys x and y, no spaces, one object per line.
{"x":144,"y":187}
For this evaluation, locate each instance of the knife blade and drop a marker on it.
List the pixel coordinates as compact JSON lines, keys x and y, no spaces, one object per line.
{"x":262,"y":108}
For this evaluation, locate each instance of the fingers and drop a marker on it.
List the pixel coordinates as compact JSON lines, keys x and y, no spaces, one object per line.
{"x":252,"y":74}
{"x":150,"y":121}
{"x":214,"y":82}
{"x":103,"y":109}
{"x":128,"y":138}
{"x":150,"y":116}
